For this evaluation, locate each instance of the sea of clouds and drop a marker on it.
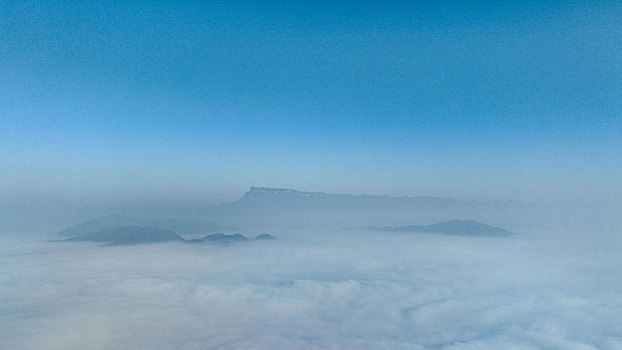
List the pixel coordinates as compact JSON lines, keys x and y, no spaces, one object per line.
{"x":316,"y":290}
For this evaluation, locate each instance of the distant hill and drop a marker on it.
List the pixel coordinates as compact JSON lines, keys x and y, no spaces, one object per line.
{"x":291,"y":200}
{"x":451,"y":227}
{"x":99,"y":224}
{"x":223,"y":237}
{"x":268,"y":207}
{"x":114,"y":221}
{"x":219,"y":238}
{"x":128,"y":235}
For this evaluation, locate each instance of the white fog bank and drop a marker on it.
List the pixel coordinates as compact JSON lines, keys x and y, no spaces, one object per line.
{"x":315,"y":290}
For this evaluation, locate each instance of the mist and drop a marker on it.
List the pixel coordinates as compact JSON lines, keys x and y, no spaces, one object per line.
{"x":327,"y":281}
{"x":441,"y":175}
{"x":316,"y":290}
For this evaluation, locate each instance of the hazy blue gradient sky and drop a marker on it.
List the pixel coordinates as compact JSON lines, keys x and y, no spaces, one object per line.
{"x":200,"y":100}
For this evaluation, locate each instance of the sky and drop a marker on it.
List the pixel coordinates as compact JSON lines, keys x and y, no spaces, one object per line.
{"x":157,"y":109}
{"x":197,"y":101}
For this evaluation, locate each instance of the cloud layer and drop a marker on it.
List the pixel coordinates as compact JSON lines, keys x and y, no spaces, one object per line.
{"x":315,"y":290}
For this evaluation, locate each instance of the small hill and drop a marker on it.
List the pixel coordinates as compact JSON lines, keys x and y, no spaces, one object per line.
{"x":264,"y":237}
{"x":100,"y":224}
{"x":221,"y":237}
{"x":451,"y":227}
{"x":109,"y":222}
{"x":128,"y":235}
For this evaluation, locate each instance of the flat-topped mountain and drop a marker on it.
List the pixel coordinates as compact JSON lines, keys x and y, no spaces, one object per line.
{"x":451,"y":227}
{"x":280,"y":206}
{"x":128,"y":235}
{"x":286,"y":196}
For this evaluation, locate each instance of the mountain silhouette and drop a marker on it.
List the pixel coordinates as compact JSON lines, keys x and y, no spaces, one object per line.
{"x":451,"y":227}
{"x":128,"y":235}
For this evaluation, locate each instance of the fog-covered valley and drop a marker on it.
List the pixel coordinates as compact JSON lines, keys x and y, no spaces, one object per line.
{"x":310,"y":175}
{"x":325,"y":286}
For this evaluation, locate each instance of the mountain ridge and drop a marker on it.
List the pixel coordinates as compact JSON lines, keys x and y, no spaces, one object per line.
{"x":450,"y":227}
{"x":108,"y":222}
{"x":280,"y":190}
{"x":267,"y":206}
{"x":128,"y":235}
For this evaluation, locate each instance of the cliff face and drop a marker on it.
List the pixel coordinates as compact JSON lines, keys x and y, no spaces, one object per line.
{"x":267,"y":198}
{"x":264,"y":203}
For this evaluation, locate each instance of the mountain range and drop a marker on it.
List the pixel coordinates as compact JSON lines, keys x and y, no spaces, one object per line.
{"x":131,"y":235}
{"x":265,"y":206}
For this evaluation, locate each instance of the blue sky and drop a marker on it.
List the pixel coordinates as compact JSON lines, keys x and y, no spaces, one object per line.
{"x":200,"y":100}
